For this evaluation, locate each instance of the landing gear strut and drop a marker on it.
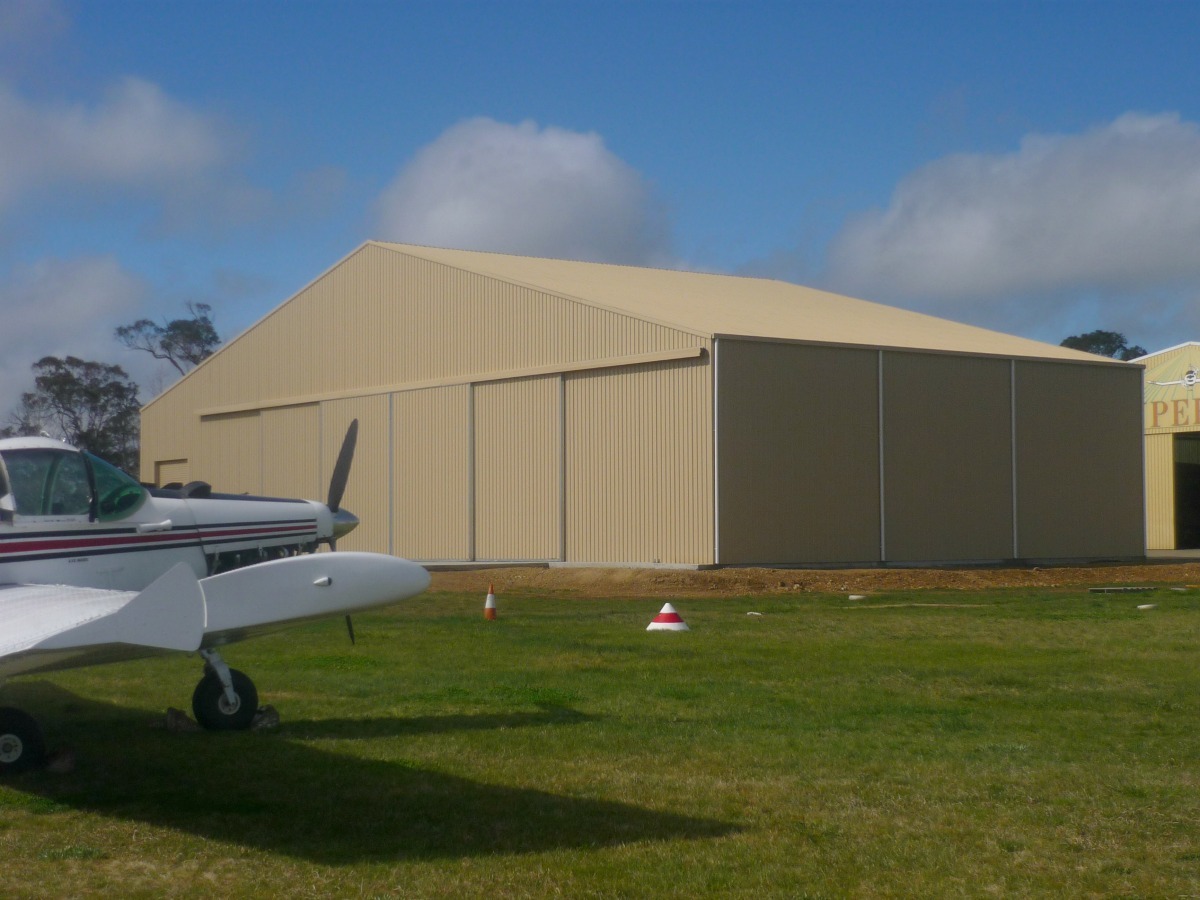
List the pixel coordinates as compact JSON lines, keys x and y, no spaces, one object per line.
{"x":21,"y":744}
{"x":225,"y":699}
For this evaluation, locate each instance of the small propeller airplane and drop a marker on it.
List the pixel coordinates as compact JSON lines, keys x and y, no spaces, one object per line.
{"x":96,"y":568}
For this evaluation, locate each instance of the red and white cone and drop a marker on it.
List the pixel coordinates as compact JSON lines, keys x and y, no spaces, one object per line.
{"x":668,"y":620}
{"x":489,"y":605}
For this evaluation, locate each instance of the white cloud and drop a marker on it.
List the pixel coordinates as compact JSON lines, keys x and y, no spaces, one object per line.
{"x":135,"y":137}
{"x":487,"y":185}
{"x":30,"y":22}
{"x":61,"y":308}
{"x":1067,"y":225}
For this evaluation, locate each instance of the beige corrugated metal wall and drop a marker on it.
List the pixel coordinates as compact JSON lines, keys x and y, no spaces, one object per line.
{"x":947,"y":446}
{"x":1160,"y":491}
{"x":518,"y":470}
{"x":1079,"y":461}
{"x":385,"y":319}
{"x":431,"y":473}
{"x":291,"y":453}
{"x":171,"y":471}
{"x":798,"y":453}
{"x":639,"y":464}
{"x":229,"y":453}
{"x":367,"y":491}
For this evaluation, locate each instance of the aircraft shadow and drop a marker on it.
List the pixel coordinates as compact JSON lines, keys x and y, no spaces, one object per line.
{"x":389,"y":726}
{"x":265,"y":791}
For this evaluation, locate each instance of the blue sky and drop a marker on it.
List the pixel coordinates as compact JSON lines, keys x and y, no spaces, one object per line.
{"x":1031,"y":167}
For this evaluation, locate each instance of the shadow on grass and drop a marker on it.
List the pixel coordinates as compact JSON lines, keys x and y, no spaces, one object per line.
{"x":265,"y":791}
{"x":385,"y":726}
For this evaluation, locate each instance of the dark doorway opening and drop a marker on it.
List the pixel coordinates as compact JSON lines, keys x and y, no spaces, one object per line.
{"x":1187,"y":491}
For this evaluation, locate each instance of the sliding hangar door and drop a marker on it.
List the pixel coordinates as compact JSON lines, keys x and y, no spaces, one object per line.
{"x":606,"y":465}
{"x":861,"y":456}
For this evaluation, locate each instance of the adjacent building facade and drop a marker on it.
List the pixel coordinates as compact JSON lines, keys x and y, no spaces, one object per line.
{"x":1172,"y":426}
{"x":516,"y":409}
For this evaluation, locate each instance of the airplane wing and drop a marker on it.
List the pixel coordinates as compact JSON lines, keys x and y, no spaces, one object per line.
{"x":44,"y":626}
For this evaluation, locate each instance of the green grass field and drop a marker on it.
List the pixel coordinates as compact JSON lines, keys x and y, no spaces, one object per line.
{"x":924,"y":744}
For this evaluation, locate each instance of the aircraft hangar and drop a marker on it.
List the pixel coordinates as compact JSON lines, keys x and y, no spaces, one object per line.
{"x":515,"y":409}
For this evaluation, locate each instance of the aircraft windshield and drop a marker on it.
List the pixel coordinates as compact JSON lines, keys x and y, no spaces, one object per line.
{"x":119,"y":495}
{"x":49,"y":482}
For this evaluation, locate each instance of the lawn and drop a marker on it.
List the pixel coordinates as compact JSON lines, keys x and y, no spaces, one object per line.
{"x":1011,"y":743}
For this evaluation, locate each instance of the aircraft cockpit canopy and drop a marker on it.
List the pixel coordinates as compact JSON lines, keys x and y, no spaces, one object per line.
{"x":64,"y":482}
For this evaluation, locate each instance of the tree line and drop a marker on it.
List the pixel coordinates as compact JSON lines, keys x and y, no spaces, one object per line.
{"x":94,"y":405}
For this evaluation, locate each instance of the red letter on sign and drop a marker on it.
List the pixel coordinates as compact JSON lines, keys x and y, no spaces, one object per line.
{"x":1157,"y":408}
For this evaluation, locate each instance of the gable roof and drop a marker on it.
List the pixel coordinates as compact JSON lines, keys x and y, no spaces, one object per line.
{"x":1163,"y":352}
{"x":737,"y":306}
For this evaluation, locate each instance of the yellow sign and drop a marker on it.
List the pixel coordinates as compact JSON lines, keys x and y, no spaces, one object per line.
{"x":1172,"y":398}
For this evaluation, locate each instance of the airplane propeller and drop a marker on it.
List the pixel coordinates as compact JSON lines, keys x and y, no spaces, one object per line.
{"x":343,"y":521}
{"x":341,"y":468}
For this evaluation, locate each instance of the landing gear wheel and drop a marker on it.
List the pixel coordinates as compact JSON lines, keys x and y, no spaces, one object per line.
{"x":215,"y":712}
{"x":21,"y":745}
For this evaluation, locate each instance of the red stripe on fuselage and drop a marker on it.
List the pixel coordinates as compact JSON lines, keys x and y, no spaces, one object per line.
{"x":249,"y":532}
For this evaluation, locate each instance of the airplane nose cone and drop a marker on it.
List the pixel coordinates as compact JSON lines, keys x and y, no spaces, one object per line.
{"x":344,"y":522}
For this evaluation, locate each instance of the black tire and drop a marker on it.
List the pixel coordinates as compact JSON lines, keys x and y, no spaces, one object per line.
{"x":214,"y":713}
{"x":22,"y":746}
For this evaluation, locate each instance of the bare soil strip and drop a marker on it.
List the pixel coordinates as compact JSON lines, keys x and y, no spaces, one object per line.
{"x":620,"y":582}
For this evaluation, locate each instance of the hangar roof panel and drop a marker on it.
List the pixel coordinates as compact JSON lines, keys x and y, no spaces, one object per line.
{"x":738,"y":306}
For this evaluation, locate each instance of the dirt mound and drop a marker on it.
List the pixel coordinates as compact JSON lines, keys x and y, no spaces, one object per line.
{"x":614,"y":582}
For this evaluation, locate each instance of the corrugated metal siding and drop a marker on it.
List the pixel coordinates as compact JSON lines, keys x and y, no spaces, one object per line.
{"x":291,"y":453}
{"x":431,"y":477}
{"x":1079,"y":461}
{"x":518,"y":437}
{"x":639,"y":464}
{"x":1160,"y":492}
{"x":736,"y":306}
{"x":229,"y":454}
{"x":171,"y":471}
{"x":173,"y":434}
{"x":798,"y":453}
{"x":948,"y":473}
{"x":367,"y":490}
{"x":387,"y":318}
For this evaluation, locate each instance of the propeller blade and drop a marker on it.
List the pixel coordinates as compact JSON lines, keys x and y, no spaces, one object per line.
{"x":341,"y":469}
{"x":350,"y":629}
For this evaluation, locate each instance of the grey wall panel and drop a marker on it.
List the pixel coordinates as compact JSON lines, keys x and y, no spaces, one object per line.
{"x":798,"y":453}
{"x":1079,"y":461}
{"x":947,"y":440}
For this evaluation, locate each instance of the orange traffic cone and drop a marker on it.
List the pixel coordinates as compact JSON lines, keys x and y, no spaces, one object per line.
{"x":668,"y":620}
{"x":489,"y":605}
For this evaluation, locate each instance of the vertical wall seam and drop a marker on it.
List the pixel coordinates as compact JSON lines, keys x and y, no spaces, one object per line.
{"x":1012,"y":406}
{"x":562,"y":467}
{"x":391,"y":474}
{"x":716,"y":455}
{"x":882,"y":500}
{"x":1141,"y":416}
{"x":471,"y":472}
{"x":320,"y":442}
